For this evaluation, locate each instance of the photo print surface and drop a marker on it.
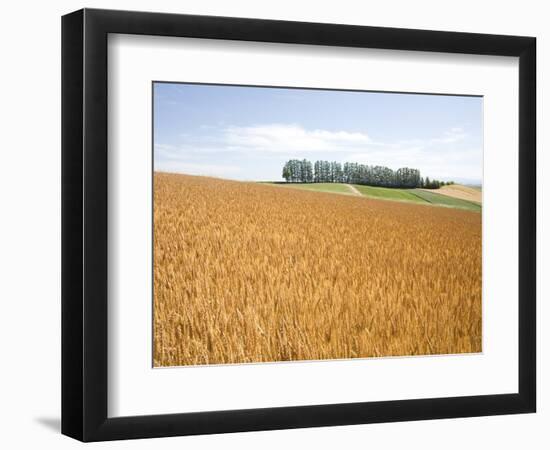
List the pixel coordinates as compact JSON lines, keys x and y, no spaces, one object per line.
{"x":308,"y":224}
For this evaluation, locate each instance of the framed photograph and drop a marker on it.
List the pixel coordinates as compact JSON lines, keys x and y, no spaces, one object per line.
{"x":272,"y":224}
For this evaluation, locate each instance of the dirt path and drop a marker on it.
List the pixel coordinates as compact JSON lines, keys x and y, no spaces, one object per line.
{"x":354,"y":190}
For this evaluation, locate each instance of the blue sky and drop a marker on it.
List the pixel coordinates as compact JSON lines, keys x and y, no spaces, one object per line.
{"x":247,"y":133}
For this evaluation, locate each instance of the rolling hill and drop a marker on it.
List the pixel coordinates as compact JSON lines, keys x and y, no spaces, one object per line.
{"x":472,"y":194}
{"x":454,"y":196}
{"x":251,"y":272}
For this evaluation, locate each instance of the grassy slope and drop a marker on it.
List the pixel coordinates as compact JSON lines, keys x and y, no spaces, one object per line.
{"x":462,"y":192}
{"x":444,"y":200}
{"x":338,"y":188}
{"x":388,"y":193}
{"x":418,"y":196}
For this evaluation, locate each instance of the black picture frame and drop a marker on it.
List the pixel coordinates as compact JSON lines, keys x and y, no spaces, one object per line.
{"x":84,"y":224}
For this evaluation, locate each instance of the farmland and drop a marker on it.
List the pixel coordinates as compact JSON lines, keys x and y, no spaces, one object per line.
{"x":469,"y":193}
{"x":455,"y":196}
{"x":382,"y":193}
{"x":336,"y":188}
{"x":444,"y":200}
{"x":249,"y":272}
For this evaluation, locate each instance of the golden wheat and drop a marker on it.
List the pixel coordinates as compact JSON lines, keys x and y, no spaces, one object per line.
{"x":245,"y":272}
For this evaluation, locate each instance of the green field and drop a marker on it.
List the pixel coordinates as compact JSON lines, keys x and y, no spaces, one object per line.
{"x":443,"y":200}
{"x":335,"y":188}
{"x":404,"y":195}
{"x":418,"y":196}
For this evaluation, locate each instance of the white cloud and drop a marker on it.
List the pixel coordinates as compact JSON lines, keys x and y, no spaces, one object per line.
{"x":283,"y":138}
{"x":444,"y":156}
{"x":452,"y":136}
{"x":446,"y":164}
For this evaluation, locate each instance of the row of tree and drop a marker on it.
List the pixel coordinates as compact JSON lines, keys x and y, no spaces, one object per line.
{"x":303,"y":171}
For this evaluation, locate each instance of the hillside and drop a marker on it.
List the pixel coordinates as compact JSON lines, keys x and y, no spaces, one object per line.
{"x":462,"y":192}
{"x":249,"y":272}
{"x":456,"y":196}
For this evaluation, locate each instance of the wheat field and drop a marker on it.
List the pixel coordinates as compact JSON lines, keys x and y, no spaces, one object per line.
{"x":245,"y":272}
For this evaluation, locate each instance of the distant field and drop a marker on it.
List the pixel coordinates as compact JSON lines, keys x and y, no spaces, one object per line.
{"x":470,"y":193}
{"x":448,"y":196}
{"x":250,"y":272}
{"x":437,"y":199}
{"x":337,"y":188}
{"x":388,"y":193}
